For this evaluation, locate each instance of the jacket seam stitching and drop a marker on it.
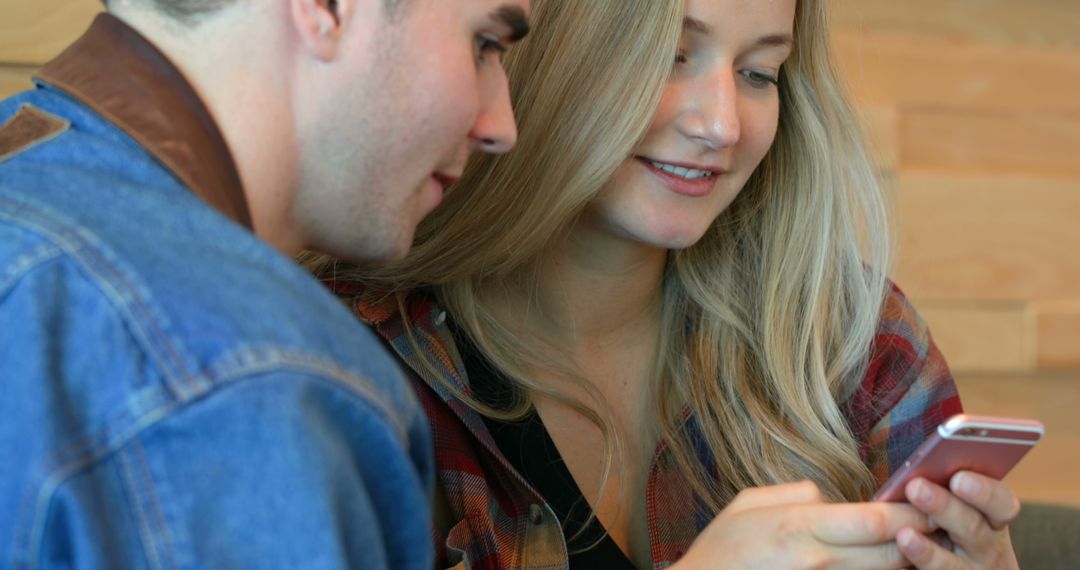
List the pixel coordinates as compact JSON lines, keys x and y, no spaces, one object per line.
{"x":26,"y":263}
{"x":55,"y":478}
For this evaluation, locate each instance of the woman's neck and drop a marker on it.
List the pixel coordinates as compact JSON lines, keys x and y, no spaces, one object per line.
{"x":597,"y":290}
{"x":601,"y":299}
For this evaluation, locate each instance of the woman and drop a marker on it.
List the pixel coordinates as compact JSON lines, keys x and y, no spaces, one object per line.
{"x":667,"y":306}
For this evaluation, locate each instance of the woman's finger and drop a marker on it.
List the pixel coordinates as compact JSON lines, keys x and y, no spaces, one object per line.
{"x":882,"y":557}
{"x":993,"y":498}
{"x":967,"y":527}
{"x":863,"y":524}
{"x":803,"y":492}
{"x":925,"y":554}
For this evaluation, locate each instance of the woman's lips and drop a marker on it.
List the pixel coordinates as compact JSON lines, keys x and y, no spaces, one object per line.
{"x":696,"y":187}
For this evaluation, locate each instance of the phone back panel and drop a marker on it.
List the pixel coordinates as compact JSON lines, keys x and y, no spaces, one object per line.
{"x":986,"y":445}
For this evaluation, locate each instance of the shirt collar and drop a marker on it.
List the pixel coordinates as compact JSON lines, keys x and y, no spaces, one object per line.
{"x":120,"y":75}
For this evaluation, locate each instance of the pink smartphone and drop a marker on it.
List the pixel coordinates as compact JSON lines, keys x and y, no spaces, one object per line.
{"x":983,"y":444}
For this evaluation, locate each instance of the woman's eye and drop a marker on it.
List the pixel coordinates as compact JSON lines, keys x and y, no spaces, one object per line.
{"x":681,"y":58}
{"x":490,"y":45}
{"x":758,"y":79}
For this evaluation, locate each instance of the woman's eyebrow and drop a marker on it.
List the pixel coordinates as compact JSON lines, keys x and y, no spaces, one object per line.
{"x":772,"y":40}
{"x":696,"y":25}
{"x":776,"y":40}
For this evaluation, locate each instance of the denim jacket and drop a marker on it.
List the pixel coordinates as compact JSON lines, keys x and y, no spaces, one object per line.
{"x":174,"y":393}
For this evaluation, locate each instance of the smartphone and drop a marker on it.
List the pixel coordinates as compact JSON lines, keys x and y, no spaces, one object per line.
{"x":987,"y":445}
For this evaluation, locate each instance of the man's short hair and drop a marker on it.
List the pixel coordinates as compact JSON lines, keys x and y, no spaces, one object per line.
{"x":184,"y":11}
{"x":191,"y":11}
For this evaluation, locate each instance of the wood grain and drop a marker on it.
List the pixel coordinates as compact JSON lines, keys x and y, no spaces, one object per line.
{"x":983,"y":337}
{"x":1047,"y":23}
{"x":941,"y":73}
{"x":957,"y":140}
{"x":14,"y":79}
{"x":1058,"y":335}
{"x":34,"y":31}
{"x":970,"y":239}
{"x":881,"y":123}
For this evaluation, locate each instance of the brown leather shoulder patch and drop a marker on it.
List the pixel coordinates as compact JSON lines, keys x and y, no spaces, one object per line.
{"x":29,"y":127}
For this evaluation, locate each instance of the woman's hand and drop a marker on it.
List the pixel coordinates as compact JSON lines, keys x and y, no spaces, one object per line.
{"x":790,"y":526}
{"x":975,"y":515}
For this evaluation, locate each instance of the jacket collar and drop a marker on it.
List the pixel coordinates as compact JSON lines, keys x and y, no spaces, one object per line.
{"x":120,"y":75}
{"x":438,"y":365}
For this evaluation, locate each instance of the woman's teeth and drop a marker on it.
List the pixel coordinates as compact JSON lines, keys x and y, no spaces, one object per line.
{"x":687,"y":173}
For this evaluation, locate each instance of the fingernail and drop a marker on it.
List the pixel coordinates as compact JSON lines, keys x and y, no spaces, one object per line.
{"x":909,"y":540}
{"x":923,"y":494}
{"x":967,"y":485}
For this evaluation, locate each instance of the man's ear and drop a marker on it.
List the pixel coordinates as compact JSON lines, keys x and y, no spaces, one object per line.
{"x":318,"y":24}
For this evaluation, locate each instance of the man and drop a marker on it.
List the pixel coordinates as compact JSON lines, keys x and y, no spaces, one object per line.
{"x":174,"y":390}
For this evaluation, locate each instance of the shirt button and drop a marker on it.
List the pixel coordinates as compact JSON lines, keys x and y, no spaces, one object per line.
{"x":536,"y":514}
{"x":440,"y":318}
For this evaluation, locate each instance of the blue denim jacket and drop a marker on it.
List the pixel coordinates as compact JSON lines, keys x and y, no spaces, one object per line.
{"x":176,"y":394}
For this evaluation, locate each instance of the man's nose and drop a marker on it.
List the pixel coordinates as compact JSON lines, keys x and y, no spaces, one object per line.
{"x":495,"y":130}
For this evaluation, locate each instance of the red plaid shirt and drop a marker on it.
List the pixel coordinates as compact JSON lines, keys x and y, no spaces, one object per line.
{"x":497,"y":521}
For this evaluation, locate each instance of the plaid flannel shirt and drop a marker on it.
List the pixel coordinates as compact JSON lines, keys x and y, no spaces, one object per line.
{"x":496,"y":520}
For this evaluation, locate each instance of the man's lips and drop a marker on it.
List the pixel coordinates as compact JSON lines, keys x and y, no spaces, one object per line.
{"x":445,"y":179}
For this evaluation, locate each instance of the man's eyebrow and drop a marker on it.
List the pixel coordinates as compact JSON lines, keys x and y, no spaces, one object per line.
{"x":515,"y":18}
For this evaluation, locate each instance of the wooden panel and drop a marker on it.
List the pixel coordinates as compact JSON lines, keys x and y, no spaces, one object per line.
{"x":929,"y":72}
{"x":1051,"y":471}
{"x":1058,"y":330}
{"x":14,"y":79}
{"x":983,"y":338}
{"x":1031,"y":22}
{"x":34,"y":31}
{"x":1041,"y":144}
{"x":882,"y":124}
{"x":988,"y":238}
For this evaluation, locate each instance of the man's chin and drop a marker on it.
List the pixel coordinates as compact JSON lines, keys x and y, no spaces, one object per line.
{"x":374,"y":252}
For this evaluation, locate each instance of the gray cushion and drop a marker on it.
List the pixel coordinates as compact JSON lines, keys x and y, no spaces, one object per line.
{"x":1047,"y":536}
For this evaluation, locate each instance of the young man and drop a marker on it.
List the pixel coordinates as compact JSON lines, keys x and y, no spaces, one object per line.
{"x":174,"y":390}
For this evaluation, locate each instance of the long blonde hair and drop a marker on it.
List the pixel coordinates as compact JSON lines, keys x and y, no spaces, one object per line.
{"x":768,"y":320}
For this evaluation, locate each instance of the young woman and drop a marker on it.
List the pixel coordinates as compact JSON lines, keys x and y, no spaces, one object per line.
{"x":638,"y":332}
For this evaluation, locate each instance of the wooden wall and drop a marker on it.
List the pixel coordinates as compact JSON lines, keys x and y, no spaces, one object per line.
{"x":974,"y":108}
{"x":33,"y":31}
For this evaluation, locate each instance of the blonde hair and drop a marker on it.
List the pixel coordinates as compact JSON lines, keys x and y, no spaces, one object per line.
{"x":768,"y":320}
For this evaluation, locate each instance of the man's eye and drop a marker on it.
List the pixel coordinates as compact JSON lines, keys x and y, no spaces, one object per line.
{"x":490,"y":45}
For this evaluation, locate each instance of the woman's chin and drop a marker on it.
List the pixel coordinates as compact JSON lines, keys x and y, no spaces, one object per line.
{"x":673,"y":238}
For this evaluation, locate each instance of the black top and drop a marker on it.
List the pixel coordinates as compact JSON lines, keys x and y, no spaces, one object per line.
{"x":530,"y":450}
